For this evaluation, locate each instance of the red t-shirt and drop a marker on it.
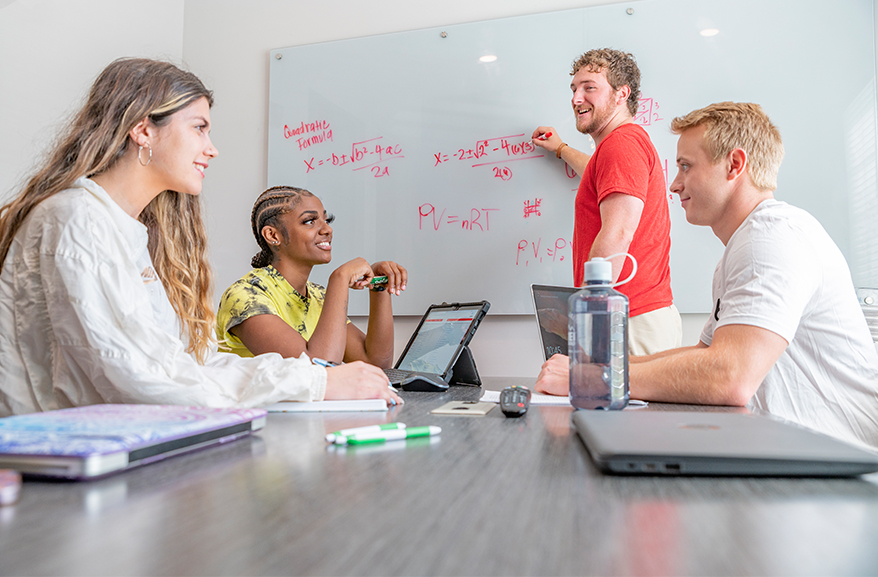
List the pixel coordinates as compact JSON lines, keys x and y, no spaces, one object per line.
{"x":626,"y":162}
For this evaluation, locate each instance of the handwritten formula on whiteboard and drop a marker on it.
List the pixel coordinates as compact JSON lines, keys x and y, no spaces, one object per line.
{"x":486,"y":201}
{"x":423,"y":153}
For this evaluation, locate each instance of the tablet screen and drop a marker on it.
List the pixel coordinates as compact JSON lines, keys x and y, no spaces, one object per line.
{"x":435,"y":346}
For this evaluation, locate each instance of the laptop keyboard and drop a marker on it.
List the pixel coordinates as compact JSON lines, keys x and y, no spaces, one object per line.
{"x":396,"y":375}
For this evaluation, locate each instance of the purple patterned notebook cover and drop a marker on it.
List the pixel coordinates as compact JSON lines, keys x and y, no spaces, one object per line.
{"x":104,"y":429}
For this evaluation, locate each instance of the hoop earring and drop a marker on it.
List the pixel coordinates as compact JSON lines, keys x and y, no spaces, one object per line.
{"x":140,"y":159}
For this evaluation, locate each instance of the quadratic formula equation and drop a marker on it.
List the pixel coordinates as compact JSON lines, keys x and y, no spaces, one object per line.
{"x":494,"y":152}
{"x":372,"y":154}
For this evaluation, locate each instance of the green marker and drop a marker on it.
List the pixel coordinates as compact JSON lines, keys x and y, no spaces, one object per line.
{"x":382,"y":436}
{"x":331,"y":437}
{"x":377,"y":283}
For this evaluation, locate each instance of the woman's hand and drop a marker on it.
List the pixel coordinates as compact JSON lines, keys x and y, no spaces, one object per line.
{"x":356,"y":273}
{"x":397,"y":276}
{"x":358,"y":380}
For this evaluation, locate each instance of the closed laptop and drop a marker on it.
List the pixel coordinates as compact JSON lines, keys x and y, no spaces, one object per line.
{"x":98,"y":440}
{"x":714,"y":443}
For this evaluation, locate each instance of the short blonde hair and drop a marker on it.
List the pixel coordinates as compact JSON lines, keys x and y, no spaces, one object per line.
{"x":743,"y":125}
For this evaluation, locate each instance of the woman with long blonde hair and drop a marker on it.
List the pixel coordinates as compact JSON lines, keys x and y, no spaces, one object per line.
{"x":105,"y":286}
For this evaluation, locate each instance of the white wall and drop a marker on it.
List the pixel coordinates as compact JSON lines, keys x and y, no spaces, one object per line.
{"x":51,"y":50}
{"x":50,"y":53}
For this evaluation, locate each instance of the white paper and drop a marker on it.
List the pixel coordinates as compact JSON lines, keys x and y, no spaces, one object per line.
{"x":540,"y":399}
{"x":327,"y":406}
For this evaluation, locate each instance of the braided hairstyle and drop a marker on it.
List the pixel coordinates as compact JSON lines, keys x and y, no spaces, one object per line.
{"x":272,"y":203}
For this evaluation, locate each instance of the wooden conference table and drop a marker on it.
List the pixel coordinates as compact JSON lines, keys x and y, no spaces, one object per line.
{"x":489,"y":496}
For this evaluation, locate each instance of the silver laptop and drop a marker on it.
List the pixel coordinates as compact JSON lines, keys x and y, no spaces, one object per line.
{"x":98,"y":440}
{"x":703,"y":443}
{"x":550,"y":306}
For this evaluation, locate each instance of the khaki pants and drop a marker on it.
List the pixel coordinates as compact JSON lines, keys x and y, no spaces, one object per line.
{"x":655,"y":331}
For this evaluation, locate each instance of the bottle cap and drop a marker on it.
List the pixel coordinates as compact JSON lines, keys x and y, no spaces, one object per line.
{"x":598,"y":269}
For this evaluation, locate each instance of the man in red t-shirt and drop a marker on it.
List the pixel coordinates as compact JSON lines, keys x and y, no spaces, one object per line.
{"x":621,"y":205}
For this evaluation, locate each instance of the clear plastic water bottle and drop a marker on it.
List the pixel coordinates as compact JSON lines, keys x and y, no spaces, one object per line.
{"x":598,"y":341}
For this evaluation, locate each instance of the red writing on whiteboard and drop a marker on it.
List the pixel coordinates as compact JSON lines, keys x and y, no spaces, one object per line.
{"x":672,"y":198}
{"x":309,"y":134}
{"x":316,"y":139}
{"x":369,"y":154}
{"x":477,"y":219}
{"x":536,"y":252}
{"x":665,"y":170}
{"x":647,"y":112}
{"x":502,"y":172}
{"x":532,"y":209}
{"x":492,"y":151}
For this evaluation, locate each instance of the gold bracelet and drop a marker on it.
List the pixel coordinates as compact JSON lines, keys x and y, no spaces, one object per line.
{"x":560,"y":148}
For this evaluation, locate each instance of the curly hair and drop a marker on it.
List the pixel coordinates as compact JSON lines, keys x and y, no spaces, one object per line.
{"x":621,"y":70}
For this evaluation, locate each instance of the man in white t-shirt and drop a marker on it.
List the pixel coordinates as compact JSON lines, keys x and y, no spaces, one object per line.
{"x":787,"y":334}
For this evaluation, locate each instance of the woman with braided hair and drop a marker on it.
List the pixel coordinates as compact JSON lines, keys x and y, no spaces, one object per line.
{"x":275,"y":308}
{"x":105,"y":287}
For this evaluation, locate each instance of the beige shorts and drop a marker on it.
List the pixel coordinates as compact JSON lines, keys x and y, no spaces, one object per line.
{"x":655,"y":331}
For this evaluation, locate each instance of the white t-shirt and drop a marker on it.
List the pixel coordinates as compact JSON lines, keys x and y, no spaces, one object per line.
{"x":84,"y":321}
{"x":782,"y":272}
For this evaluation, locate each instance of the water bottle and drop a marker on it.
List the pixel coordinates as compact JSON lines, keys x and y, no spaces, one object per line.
{"x":598,"y":340}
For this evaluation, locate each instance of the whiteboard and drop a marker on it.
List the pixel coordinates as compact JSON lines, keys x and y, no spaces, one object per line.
{"x":422,"y":151}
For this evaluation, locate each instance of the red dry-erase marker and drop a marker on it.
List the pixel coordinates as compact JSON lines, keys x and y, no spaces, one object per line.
{"x":545,"y":136}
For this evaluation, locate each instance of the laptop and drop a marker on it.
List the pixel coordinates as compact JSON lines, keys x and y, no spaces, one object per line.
{"x":550,"y":305}
{"x":97,"y":440}
{"x":702,"y":443}
{"x":438,"y":348}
